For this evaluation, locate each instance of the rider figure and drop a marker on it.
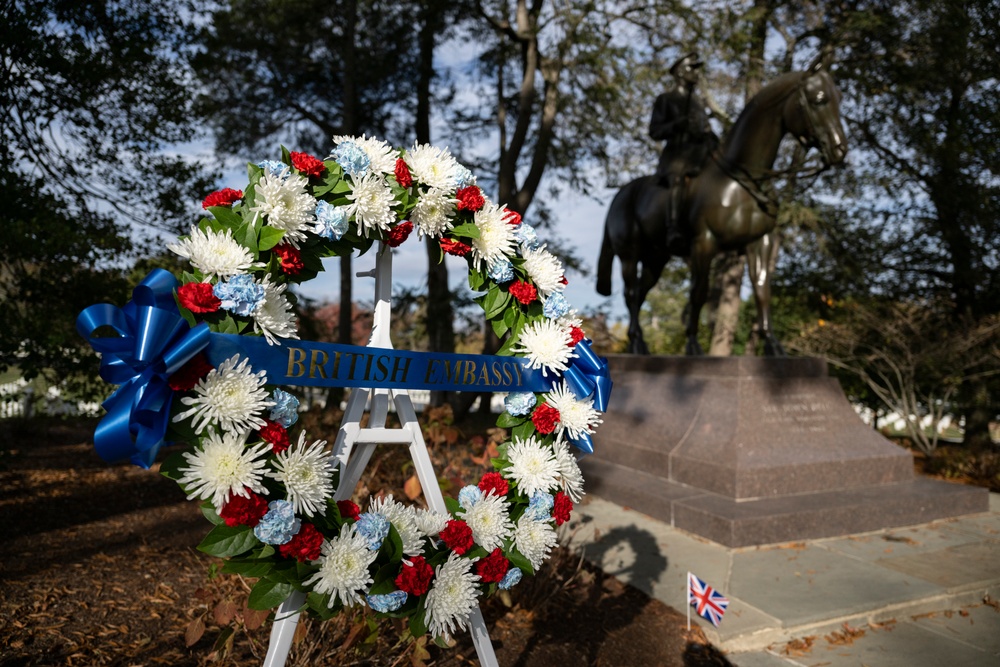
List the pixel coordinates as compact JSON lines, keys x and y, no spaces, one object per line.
{"x":680,"y":118}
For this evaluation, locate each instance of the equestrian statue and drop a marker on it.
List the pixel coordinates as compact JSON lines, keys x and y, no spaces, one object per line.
{"x":707,"y":198}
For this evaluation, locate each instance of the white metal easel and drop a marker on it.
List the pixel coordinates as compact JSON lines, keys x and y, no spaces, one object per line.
{"x":354,"y":461}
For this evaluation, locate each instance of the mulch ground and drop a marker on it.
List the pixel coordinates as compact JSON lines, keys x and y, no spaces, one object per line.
{"x":98,"y":567}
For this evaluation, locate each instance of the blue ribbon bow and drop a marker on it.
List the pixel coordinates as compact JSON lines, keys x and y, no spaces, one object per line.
{"x":588,"y":376}
{"x":153,"y":342}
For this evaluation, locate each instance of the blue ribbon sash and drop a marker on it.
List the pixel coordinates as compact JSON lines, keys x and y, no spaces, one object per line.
{"x":154,"y":341}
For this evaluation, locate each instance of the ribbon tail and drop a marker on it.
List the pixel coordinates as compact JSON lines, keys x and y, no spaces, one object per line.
{"x":584,"y":443}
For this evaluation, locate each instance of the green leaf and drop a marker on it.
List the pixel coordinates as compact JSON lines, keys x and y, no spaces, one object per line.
{"x":499,"y":327}
{"x":519,"y":561}
{"x":211,"y":514}
{"x":524,"y":430}
{"x":170,"y":468}
{"x":225,"y":541}
{"x":496,"y":302}
{"x":507,"y":420}
{"x":476,"y":280}
{"x":267,"y":594}
{"x":467,"y":230}
{"x":254,"y":569}
{"x":269,"y":237}
{"x":508,"y":345}
{"x":418,"y":626}
{"x":453,"y":507}
{"x":320,"y":605}
{"x":392,"y":547}
{"x":226,"y":216}
{"x":385,"y":579}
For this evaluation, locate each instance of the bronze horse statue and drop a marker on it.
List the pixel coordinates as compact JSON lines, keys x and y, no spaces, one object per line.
{"x":725,"y":205}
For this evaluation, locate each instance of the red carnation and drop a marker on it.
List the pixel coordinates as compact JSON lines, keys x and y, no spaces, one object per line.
{"x":561,"y":508}
{"x":453,"y":247}
{"x":576,"y":333}
{"x":564,"y":281}
{"x":545,"y":417}
{"x":523,"y":292}
{"x":470,"y":199}
{"x":198,"y":298}
{"x":492,"y":568}
{"x":403,"y":173}
{"x":305,"y":545}
{"x":457,"y":536}
{"x":289,"y":258}
{"x":275,"y":434}
{"x":187,"y":376}
{"x":512,"y":218}
{"x":415,"y":578}
{"x":349,"y":509}
{"x":307,"y":164}
{"x":399,"y":233}
{"x":240,"y":511}
{"x":493,"y":481}
{"x":224,"y":197}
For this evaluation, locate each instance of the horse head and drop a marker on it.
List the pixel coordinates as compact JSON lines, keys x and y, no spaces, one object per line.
{"x":813,"y":115}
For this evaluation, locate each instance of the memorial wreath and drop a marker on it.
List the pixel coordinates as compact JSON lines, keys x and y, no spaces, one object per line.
{"x":200,"y":359}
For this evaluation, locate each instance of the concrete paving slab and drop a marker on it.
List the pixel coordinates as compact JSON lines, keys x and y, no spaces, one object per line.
{"x":759,"y":659}
{"x":977,"y":626}
{"x":897,"y":645}
{"x":877,"y":546}
{"x":980,"y":525}
{"x":955,"y":567}
{"x":807,"y":584}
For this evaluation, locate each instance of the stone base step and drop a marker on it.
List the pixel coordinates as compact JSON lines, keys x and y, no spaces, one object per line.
{"x":784,"y":519}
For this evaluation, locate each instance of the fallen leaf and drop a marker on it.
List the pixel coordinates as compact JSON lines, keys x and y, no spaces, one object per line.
{"x":224,"y":612}
{"x":412,"y":488}
{"x":194,"y":631}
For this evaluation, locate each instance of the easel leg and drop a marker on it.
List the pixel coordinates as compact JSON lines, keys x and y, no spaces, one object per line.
{"x":286,"y":619}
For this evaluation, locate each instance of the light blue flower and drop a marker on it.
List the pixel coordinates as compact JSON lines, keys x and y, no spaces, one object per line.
{"x":525,"y":235}
{"x":275,"y":168}
{"x":501,"y":270}
{"x":520,"y":403}
{"x":469,"y":496}
{"x":540,"y":506}
{"x":387,"y":602}
{"x":373,"y":527}
{"x":331,"y":221}
{"x":352,"y":158}
{"x":286,"y":408}
{"x":511,"y":579}
{"x":279,"y":525}
{"x":463,"y":177}
{"x":555,"y":306}
{"x":240,"y":295}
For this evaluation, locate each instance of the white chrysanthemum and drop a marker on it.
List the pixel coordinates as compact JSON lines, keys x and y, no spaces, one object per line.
{"x":434,"y":167}
{"x":570,"y":475}
{"x":546,"y":345}
{"x":489,"y":521}
{"x":452,"y":597}
{"x":274,"y":317}
{"x":430,"y":522}
{"x":534,"y":539}
{"x":532,"y":466}
{"x":224,"y":467}
{"x":307,"y":474}
{"x":403,"y":519}
{"x":496,"y":237}
{"x":381,"y":155}
{"x":286,"y":204}
{"x":371,"y":203}
{"x":570,"y":320}
{"x":214,"y":253}
{"x":576,"y":416}
{"x":544,"y":269}
{"x":433,"y":213}
{"x":343,"y":568}
{"x":231,"y":396}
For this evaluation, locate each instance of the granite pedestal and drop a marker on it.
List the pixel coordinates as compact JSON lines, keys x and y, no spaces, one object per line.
{"x":748,"y":450}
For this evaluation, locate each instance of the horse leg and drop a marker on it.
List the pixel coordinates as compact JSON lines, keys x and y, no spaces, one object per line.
{"x":702,"y":251}
{"x":633,"y":301}
{"x":760,"y":255}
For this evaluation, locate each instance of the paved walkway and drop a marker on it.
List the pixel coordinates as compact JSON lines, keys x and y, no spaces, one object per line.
{"x":907,"y":596}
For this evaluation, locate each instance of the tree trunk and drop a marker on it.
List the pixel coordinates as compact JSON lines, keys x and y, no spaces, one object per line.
{"x":727,"y":282}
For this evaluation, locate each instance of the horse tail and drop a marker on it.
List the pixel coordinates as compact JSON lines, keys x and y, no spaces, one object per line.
{"x":604,"y":264}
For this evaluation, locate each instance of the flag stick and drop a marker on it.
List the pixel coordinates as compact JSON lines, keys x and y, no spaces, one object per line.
{"x":687,"y":584}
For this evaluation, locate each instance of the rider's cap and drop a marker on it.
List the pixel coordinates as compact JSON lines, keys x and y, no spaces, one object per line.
{"x":691,"y":60}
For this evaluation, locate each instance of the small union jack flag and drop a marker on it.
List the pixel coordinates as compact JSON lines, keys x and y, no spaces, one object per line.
{"x":708,"y":602}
